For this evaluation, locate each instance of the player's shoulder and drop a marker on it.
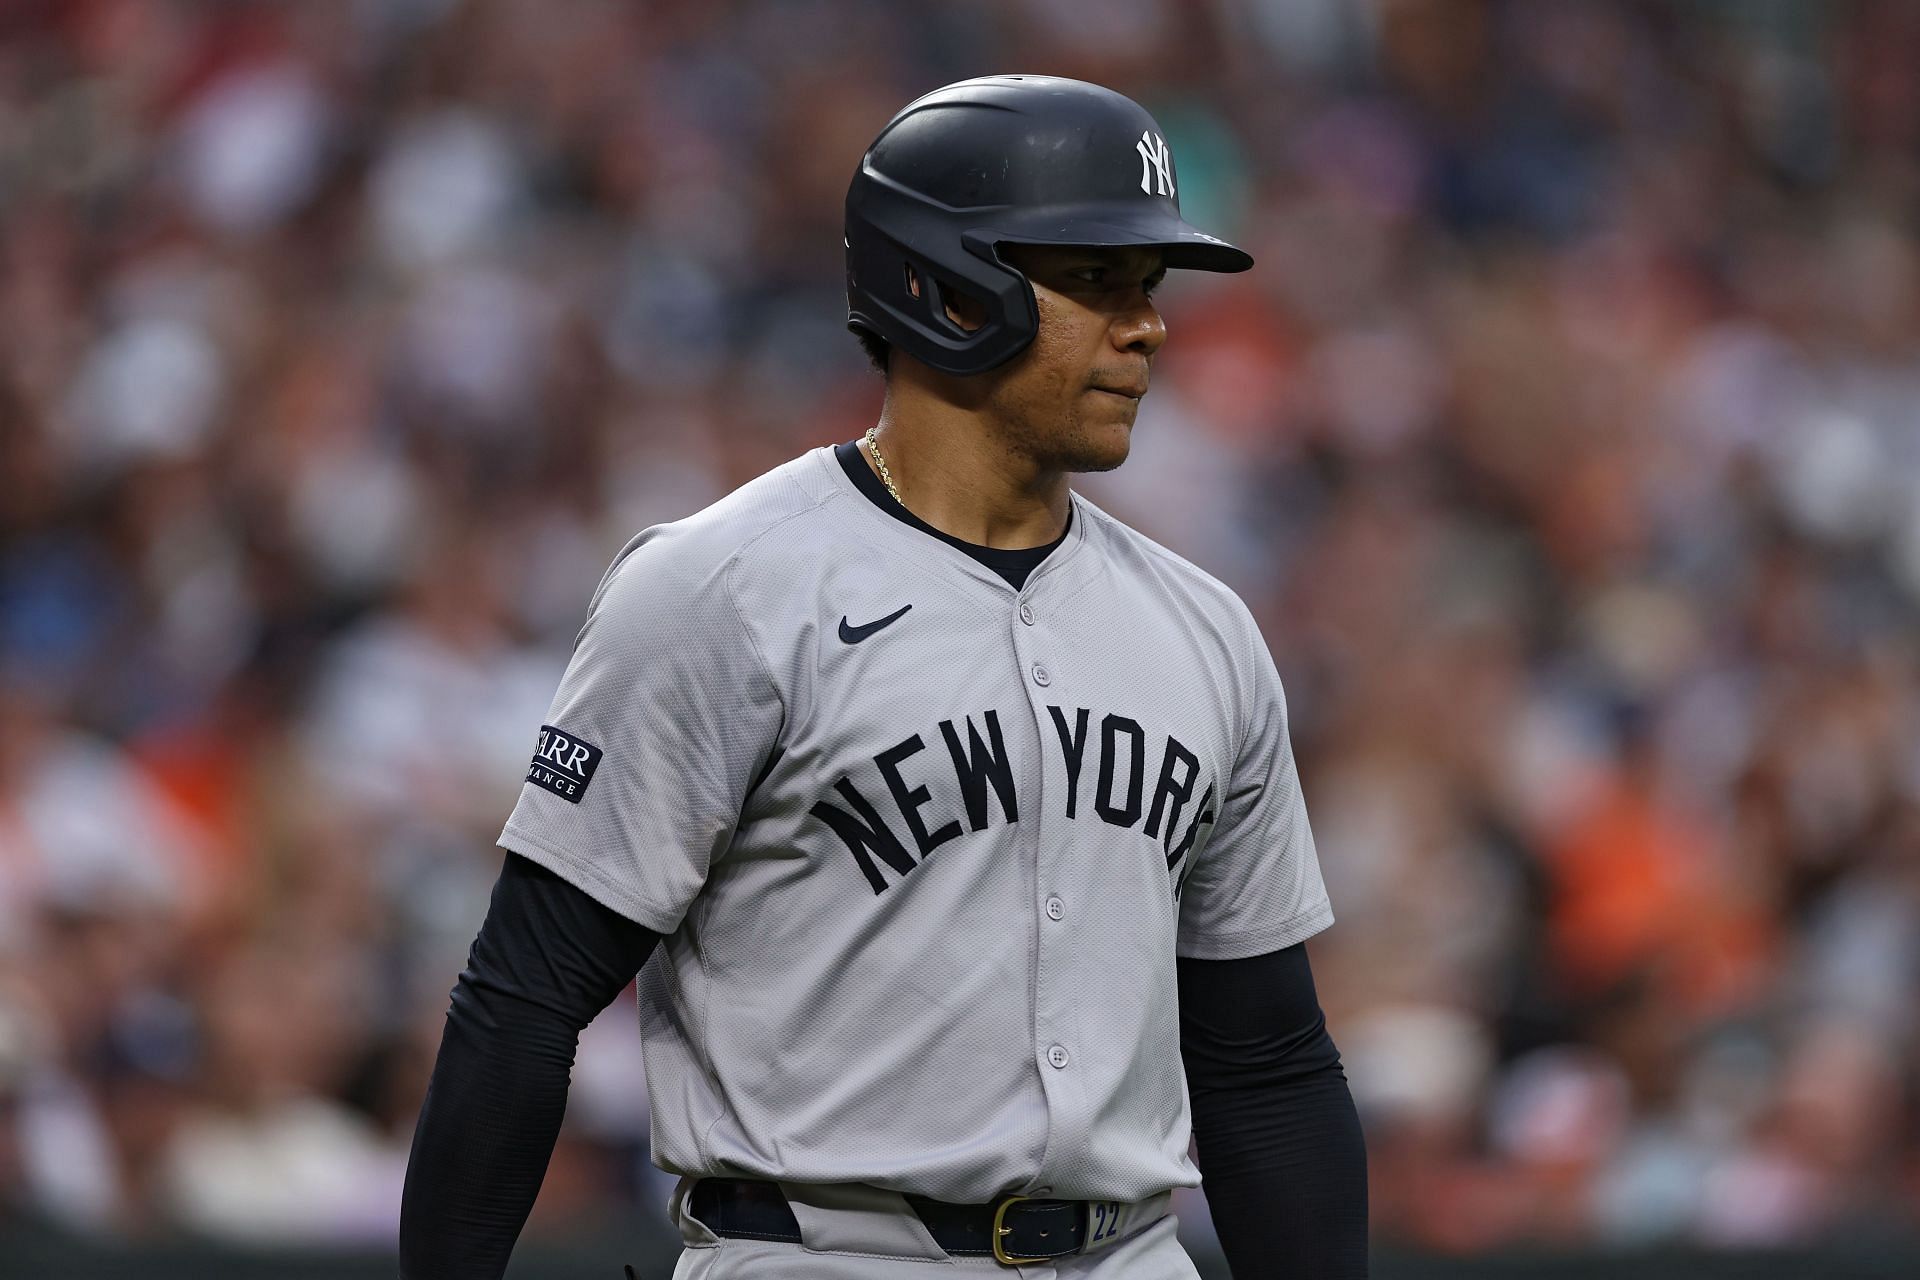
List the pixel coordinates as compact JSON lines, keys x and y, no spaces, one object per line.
{"x":1135,"y":554}
{"x":688,"y":556}
{"x":736,"y":522}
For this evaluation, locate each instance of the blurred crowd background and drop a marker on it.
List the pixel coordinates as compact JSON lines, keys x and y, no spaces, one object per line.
{"x":1566,"y":442}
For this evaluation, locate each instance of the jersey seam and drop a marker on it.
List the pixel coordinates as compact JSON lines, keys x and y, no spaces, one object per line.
{"x":728,"y":569}
{"x":1249,"y":662}
{"x":1178,"y":561}
{"x":732,"y":565}
{"x":709,"y":1065}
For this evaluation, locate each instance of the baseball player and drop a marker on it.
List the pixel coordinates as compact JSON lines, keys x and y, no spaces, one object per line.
{"x":950,"y":824}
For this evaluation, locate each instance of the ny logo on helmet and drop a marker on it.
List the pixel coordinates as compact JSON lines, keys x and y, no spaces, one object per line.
{"x":1155,"y":160}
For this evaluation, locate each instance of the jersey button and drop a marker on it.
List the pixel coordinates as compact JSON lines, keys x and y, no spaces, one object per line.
{"x":1055,"y":908}
{"x":1026,"y":614}
{"x":1040,"y":676}
{"x":1057,"y":1057}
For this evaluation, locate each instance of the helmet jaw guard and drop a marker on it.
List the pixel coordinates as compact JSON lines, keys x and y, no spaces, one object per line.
{"x":1003,"y":160}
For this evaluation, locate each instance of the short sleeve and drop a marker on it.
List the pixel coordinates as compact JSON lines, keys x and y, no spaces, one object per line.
{"x":664,"y":718}
{"x":1256,"y":884}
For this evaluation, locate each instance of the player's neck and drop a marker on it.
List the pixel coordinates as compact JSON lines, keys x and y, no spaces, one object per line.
{"x":954,"y":473}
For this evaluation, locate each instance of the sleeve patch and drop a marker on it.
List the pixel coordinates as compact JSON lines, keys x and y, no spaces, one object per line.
{"x":563,"y":764}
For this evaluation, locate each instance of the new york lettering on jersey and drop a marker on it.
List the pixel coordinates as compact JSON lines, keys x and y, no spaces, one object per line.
{"x":1118,"y":785}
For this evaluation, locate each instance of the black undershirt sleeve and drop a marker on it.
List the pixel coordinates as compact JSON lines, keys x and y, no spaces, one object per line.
{"x":547,"y":960}
{"x":1280,"y":1148}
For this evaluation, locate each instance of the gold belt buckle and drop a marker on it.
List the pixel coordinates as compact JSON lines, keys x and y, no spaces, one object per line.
{"x":1002,"y":1231}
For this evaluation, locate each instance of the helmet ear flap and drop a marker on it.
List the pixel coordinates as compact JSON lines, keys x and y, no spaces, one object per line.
{"x":903,"y":295}
{"x":936,"y":299}
{"x":932,"y":298}
{"x":948,"y":302}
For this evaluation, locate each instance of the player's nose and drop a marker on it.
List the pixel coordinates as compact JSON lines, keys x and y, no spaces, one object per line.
{"x":1140,"y":328}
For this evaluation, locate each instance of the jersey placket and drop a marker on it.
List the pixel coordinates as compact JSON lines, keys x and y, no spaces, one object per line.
{"x":1057,"y":979}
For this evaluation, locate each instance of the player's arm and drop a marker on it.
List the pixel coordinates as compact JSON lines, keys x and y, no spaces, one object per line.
{"x":663,"y":720}
{"x":547,"y":960}
{"x":1280,"y":1146}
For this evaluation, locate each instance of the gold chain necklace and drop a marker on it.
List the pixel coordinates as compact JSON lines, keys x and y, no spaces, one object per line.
{"x":873,"y":444}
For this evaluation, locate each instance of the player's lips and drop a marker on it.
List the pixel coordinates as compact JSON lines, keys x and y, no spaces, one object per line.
{"x":1132,"y":391}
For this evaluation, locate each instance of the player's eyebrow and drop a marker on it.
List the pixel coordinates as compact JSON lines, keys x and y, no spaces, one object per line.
{"x":1121,"y":256}
{"x":1121,"y":260}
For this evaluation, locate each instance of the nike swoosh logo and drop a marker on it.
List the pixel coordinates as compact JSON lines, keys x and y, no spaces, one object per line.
{"x":854,"y":635}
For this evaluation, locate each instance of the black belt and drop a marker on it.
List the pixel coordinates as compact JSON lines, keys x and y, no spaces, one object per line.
{"x":1011,"y":1229}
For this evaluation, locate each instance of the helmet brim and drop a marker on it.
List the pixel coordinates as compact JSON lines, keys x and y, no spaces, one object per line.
{"x":1183,"y":246}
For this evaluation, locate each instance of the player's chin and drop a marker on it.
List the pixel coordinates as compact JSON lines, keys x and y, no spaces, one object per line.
{"x":1102,"y":442}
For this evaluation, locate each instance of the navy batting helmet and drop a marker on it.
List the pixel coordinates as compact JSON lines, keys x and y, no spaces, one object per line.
{"x":1003,"y":160}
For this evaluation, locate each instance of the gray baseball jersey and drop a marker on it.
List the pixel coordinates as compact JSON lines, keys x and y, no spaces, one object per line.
{"x":922,"y":847}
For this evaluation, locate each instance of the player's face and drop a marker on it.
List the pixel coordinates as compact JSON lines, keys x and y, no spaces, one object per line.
{"x":1068,"y":401}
